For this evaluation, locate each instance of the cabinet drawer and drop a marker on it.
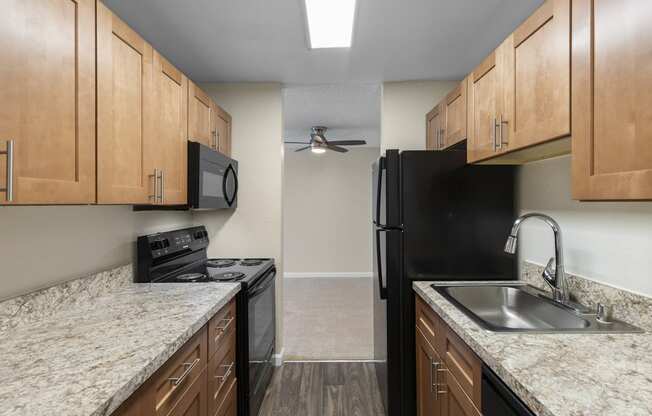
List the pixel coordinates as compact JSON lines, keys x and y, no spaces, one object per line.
{"x":229,"y":406}
{"x":220,"y":327}
{"x":463,"y":365}
{"x":221,"y":373}
{"x":427,"y":321}
{"x":168,"y":385}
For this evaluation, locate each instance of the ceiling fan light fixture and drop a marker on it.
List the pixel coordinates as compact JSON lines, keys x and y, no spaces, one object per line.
{"x":317,"y":149}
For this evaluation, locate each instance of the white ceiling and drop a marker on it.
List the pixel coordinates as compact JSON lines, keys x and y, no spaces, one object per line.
{"x":350,"y":111}
{"x":265,"y":40}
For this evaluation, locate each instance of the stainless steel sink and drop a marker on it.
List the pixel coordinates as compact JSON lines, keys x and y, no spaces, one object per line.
{"x":517,"y":307}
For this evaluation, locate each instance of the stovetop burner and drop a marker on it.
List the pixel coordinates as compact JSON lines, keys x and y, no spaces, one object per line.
{"x":191,"y":277}
{"x":252,"y":262}
{"x":227,"y":276}
{"x":221,"y":262}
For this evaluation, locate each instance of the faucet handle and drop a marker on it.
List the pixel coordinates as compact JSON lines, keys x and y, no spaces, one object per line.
{"x":549,"y":272}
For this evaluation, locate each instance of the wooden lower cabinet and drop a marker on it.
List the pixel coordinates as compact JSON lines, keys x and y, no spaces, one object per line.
{"x":191,"y":382}
{"x":448,"y":374}
{"x":193,"y":402}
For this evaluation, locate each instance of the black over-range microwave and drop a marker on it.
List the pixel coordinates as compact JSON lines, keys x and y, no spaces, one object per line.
{"x":212,"y":181}
{"x":212,"y":178}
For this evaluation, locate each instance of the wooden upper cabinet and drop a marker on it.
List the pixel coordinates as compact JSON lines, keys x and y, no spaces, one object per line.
{"x":535,"y":83}
{"x":171,"y":138}
{"x":434,"y":133}
{"x":612,"y":96}
{"x":222,"y":130}
{"x":454,"y":115}
{"x":47,"y":101}
{"x":125,"y":129}
{"x":483,"y":106}
{"x":201,"y":119}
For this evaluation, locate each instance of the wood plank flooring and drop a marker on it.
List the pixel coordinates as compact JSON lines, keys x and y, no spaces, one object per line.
{"x":323,"y":389}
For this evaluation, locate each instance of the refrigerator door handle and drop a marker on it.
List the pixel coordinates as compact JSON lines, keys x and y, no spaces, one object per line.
{"x":379,"y":259}
{"x":381,"y":167}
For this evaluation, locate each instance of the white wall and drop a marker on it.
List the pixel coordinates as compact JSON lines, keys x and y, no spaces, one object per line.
{"x":404,"y":106}
{"x":610,"y":242}
{"x":327,"y":211}
{"x":43,"y":246}
{"x":255,"y":228}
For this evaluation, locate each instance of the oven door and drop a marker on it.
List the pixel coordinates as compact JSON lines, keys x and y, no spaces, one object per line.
{"x":213,"y":178}
{"x":262,"y":337}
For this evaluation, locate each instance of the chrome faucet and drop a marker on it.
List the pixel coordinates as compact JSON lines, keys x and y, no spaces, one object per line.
{"x":554,"y":277}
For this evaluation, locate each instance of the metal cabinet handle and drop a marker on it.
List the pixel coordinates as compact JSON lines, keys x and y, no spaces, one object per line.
{"x":217,"y":140}
{"x":501,"y":123}
{"x":433,"y":379}
{"x":445,"y":390}
{"x":189,"y":366}
{"x":162,"y":193}
{"x":494,"y":135}
{"x":9,"y":189}
{"x":214,"y":139}
{"x":227,"y":373}
{"x":222,"y":329}
{"x":443,"y":138}
{"x":155,"y":197}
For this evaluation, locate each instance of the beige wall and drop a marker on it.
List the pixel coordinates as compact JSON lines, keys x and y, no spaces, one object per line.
{"x":327,"y":211}
{"x":403,"y":112}
{"x":42,"y":246}
{"x":606,"y":241}
{"x":254,"y":229}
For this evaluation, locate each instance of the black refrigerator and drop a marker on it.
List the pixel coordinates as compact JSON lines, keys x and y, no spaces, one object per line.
{"x":434,"y":218}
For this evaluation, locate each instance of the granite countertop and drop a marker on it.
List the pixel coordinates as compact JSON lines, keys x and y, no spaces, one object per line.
{"x":88,"y":359}
{"x":561,"y":374}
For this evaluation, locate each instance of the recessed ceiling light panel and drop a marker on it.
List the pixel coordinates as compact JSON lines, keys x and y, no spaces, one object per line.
{"x":330,"y":23}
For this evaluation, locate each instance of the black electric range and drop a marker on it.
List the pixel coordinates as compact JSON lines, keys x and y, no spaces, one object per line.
{"x":180,"y":256}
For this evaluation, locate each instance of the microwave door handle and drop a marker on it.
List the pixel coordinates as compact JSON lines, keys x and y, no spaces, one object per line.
{"x":230,"y":170}
{"x":379,"y":259}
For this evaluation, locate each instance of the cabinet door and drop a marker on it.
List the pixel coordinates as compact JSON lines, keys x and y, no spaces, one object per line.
{"x":47,"y":101}
{"x":201,"y":125}
{"x":483,"y":106}
{"x":427,"y":362}
{"x":222,"y":130}
{"x":455,"y":123}
{"x":612,"y":93}
{"x":434,"y":128}
{"x":536,"y":79}
{"x":124,"y":113}
{"x":193,"y":402}
{"x":454,"y":402}
{"x":171,"y":154}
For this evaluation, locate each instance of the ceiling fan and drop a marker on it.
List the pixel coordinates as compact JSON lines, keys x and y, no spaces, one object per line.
{"x":319,"y":144}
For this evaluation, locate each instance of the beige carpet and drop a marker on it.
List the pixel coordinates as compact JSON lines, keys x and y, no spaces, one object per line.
{"x":328,"y":319}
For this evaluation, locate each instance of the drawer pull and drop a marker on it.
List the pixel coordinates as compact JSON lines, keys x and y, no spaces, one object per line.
{"x":227,"y":373}
{"x":222,"y":329}
{"x":189,"y":366}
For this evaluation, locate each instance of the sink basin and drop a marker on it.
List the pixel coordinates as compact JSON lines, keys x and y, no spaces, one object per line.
{"x":522,"y":308}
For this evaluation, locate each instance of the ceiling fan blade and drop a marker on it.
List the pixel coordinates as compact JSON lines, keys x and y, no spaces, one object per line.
{"x":296,"y":142}
{"x":302,"y":148}
{"x":337,"y":148}
{"x":348,"y":142}
{"x":317,"y":138}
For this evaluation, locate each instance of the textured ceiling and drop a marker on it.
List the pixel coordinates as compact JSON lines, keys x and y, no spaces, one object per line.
{"x":265,"y":40}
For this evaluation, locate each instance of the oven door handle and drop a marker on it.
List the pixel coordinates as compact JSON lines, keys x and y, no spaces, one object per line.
{"x":260,"y":289}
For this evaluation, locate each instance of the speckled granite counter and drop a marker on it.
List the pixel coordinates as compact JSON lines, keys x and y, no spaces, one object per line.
{"x":557,"y":374}
{"x":88,"y":358}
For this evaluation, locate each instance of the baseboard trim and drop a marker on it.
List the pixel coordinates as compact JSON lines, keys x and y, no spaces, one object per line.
{"x":277,"y":359}
{"x":327,"y":275}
